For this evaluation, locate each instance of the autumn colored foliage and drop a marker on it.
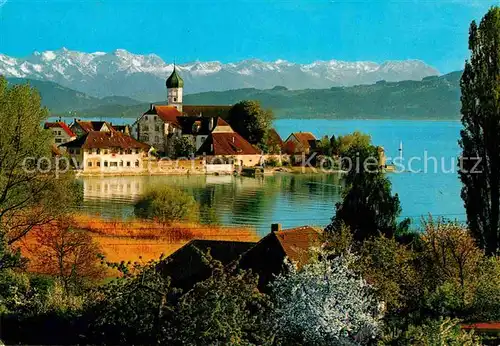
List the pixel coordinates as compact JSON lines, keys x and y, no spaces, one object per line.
{"x":132,"y":240}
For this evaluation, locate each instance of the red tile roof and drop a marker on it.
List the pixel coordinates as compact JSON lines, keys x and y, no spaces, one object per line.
{"x":226,"y":143}
{"x":222,"y":122}
{"x":61,"y":125}
{"x":297,"y":241}
{"x":100,"y":139}
{"x":168,"y":114}
{"x":88,"y":126}
{"x":304,"y":138}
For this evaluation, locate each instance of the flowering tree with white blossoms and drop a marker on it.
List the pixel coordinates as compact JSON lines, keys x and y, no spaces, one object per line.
{"x":325,"y":303}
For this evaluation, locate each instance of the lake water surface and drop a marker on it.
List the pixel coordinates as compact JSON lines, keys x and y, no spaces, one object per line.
{"x":295,"y":200}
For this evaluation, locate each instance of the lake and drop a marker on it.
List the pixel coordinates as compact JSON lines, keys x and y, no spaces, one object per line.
{"x":295,"y":200}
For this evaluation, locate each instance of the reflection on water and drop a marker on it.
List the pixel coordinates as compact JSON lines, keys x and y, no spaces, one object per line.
{"x":303,"y":199}
{"x":292,"y":200}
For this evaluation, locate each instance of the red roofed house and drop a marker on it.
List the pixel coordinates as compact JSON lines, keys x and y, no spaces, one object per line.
{"x":82,"y":127}
{"x":225,"y":145}
{"x":267,"y":257}
{"x":61,"y":132}
{"x":300,"y":142}
{"x":107,"y":151}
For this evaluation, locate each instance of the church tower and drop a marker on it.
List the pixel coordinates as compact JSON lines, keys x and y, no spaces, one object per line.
{"x":175,"y":84}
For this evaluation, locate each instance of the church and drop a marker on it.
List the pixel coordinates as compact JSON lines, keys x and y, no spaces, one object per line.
{"x":160,"y":125}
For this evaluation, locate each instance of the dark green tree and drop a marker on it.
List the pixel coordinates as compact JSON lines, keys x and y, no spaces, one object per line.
{"x":250,"y":120}
{"x":143,"y":307}
{"x":368,"y":206}
{"x":480,"y":142}
{"x":183,"y":147}
{"x":225,"y":309}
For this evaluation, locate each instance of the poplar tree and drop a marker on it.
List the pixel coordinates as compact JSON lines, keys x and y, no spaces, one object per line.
{"x":480,"y":136}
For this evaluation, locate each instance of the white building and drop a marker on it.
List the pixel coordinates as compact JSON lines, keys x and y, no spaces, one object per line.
{"x":107,"y":151}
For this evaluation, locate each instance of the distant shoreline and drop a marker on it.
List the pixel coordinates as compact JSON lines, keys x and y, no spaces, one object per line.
{"x":277,"y":119}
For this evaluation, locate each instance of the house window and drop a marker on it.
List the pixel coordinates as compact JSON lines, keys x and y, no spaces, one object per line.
{"x":105,"y":151}
{"x":58,"y":133}
{"x":105,"y":163}
{"x":98,"y":164}
{"x":145,"y":128}
{"x":155,"y":117}
{"x":157,"y":139}
{"x":113,"y":164}
{"x":157,"y":128}
{"x":175,"y":99}
{"x":89,"y":164}
{"x":58,"y":140}
{"x":137,"y":163}
{"x":137,"y":151}
{"x":98,"y":151}
{"x":121,"y":163}
{"x":128,"y":163}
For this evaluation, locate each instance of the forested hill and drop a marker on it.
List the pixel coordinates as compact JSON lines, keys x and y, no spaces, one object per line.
{"x":430,"y":98}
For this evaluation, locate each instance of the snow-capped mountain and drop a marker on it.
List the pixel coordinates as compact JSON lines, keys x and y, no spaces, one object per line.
{"x":142,"y":76}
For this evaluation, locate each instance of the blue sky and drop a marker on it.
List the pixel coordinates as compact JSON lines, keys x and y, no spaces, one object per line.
{"x":434,"y":31}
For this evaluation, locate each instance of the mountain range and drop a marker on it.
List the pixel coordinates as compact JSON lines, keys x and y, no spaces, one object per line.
{"x":430,"y":98}
{"x":142,"y":77}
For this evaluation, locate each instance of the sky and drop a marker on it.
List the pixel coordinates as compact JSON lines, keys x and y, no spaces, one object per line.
{"x":434,"y":31}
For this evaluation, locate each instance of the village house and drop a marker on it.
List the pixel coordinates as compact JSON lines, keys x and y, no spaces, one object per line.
{"x":224,"y":145}
{"x":61,"y":132}
{"x":81,"y":127}
{"x":107,"y":151}
{"x":300,"y":142}
{"x":187,"y":265}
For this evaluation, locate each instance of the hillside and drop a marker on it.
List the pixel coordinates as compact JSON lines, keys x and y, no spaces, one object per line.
{"x":59,"y":99}
{"x":431,"y":98}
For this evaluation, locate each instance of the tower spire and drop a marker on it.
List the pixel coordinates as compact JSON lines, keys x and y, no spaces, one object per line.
{"x":175,"y":85}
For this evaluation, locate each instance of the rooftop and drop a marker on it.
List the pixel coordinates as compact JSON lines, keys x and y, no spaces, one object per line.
{"x":175,"y":80}
{"x":304,"y":137}
{"x":62,"y":125}
{"x":228,"y":144}
{"x":89,"y":126}
{"x":103,"y":140}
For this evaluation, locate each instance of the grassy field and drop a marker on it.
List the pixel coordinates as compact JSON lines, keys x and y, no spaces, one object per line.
{"x":138,"y":240}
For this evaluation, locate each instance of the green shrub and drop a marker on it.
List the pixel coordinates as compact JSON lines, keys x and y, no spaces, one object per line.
{"x":442,"y":332}
{"x":166,"y":205}
{"x":272,"y":162}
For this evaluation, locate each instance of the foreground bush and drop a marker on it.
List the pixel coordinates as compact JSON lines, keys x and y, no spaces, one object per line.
{"x":166,"y":205}
{"x":443,"y":332}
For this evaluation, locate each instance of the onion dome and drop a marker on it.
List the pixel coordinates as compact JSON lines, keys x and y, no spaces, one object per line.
{"x":175,"y":81}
